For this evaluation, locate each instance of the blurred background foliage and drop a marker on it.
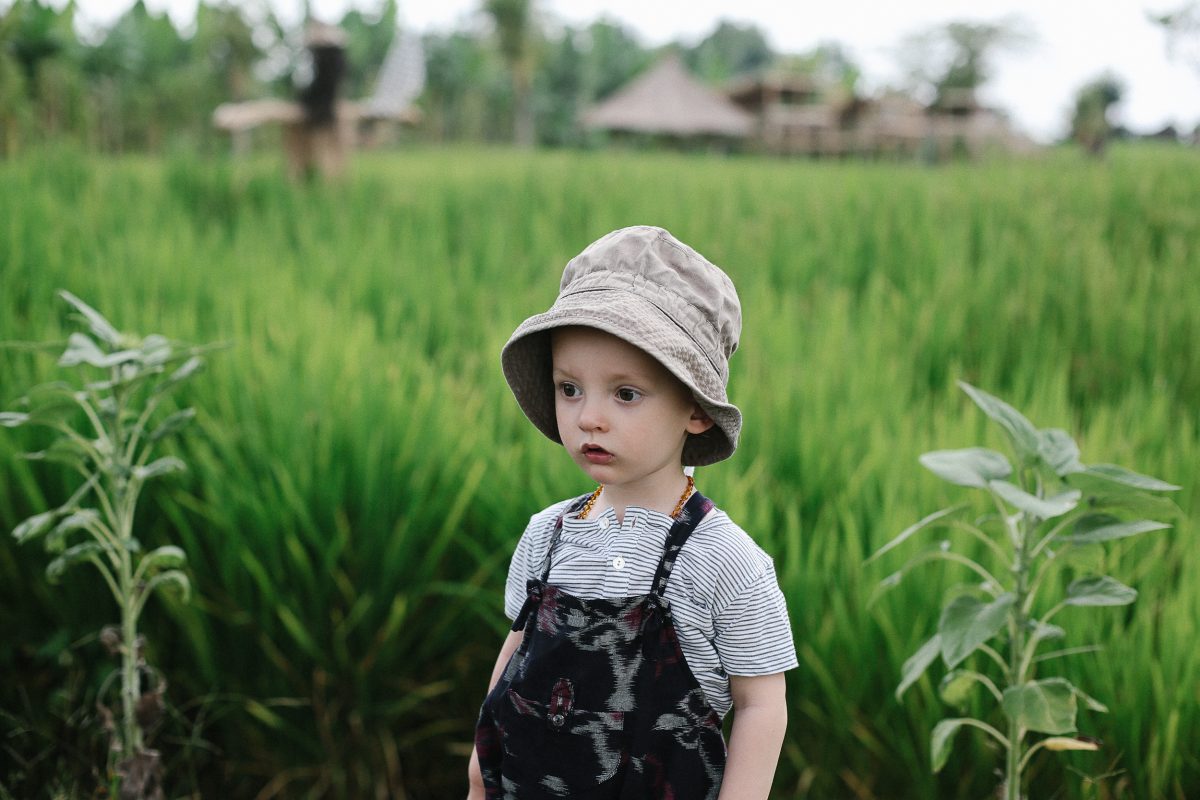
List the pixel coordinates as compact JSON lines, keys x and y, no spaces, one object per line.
{"x":145,"y":84}
{"x":506,"y":73}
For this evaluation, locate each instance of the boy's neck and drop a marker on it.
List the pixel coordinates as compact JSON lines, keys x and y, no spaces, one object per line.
{"x":663,"y":498}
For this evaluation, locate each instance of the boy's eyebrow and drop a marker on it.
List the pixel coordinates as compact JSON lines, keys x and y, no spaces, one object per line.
{"x":629,"y":377}
{"x":619,"y":377}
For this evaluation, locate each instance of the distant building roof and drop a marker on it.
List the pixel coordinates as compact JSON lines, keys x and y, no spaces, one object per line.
{"x":747,"y":87}
{"x":666,"y":99}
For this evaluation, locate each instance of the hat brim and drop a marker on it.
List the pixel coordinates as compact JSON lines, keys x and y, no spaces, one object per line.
{"x":526,"y":360}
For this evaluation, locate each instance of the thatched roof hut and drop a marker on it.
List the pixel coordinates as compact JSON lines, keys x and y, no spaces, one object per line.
{"x":666,"y":100}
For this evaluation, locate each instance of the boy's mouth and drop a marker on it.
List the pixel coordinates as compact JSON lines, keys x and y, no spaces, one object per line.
{"x":596,"y":454}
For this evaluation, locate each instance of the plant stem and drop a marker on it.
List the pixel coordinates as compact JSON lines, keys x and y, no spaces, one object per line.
{"x":1017,"y":645}
{"x":132,"y":734}
{"x":131,"y":739}
{"x":123,"y":504}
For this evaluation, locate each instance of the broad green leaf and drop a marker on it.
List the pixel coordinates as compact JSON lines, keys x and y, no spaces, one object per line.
{"x":1043,"y":508}
{"x":1047,"y":632}
{"x":165,"y":557}
{"x":1089,"y":522}
{"x":914,"y":528}
{"x":60,"y":451}
{"x":1105,"y":496}
{"x":82,"y":519}
{"x":119,"y":357}
{"x":917,"y":663}
{"x":187,"y":370}
{"x":1112,"y":488}
{"x":968,"y":622}
{"x":44,"y":404}
{"x":162,"y":466}
{"x":1058,"y":451}
{"x":80,"y":552}
{"x":972,"y":466}
{"x":96,"y":321}
{"x":173,"y":424}
{"x":52,"y":413}
{"x":1099,"y":591}
{"x":1021,"y":431}
{"x":955,"y":688}
{"x":171,"y":577}
{"x":50,"y":392}
{"x":156,"y":350}
{"x":1046,"y":706}
{"x":941,"y":741}
{"x":36,"y":525}
{"x":1088,"y":531}
{"x":82,"y":350}
{"x":1124,"y":477}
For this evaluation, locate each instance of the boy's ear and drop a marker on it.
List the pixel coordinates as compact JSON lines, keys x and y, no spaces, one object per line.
{"x":700,"y":421}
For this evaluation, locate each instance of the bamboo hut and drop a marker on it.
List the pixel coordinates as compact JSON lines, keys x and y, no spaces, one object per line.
{"x":666,"y":101}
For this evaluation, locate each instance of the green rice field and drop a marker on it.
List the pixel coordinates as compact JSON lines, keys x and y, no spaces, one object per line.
{"x":359,"y":472}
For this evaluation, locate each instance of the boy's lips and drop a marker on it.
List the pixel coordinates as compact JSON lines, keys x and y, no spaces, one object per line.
{"x":596,"y":454}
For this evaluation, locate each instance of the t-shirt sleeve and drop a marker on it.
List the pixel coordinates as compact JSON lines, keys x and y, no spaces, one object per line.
{"x":527,"y":558}
{"x":752,"y":633}
{"x":519,"y":571}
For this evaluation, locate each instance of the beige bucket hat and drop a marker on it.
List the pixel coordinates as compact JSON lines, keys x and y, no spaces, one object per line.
{"x":643,"y":285}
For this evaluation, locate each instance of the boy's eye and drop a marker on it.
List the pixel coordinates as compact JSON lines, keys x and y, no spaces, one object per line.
{"x":627,"y":395}
{"x":569,"y":389}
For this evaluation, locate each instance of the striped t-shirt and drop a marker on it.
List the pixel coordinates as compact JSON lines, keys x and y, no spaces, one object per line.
{"x":729,"y":613}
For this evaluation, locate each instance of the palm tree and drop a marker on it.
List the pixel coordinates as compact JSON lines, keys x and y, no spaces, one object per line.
{"x":1090,"y":125}
{"x":515,"y":30}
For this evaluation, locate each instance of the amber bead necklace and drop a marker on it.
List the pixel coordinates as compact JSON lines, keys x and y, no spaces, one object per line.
{"x":591,"y":501}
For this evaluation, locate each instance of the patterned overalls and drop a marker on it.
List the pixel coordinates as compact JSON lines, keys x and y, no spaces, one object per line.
{"x":598,"y":701}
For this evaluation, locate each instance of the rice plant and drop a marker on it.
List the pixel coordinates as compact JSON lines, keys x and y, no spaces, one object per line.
{"x":358,"y":472}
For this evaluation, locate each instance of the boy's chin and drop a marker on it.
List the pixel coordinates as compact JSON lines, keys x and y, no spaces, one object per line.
{"x":600,"y":473}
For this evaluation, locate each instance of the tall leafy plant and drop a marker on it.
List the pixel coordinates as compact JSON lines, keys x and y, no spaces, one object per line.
{"x":106,"y":427}
{"x":1044,"y":507}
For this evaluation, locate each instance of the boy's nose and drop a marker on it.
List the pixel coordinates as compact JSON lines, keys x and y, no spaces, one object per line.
{"x":591,"y":417}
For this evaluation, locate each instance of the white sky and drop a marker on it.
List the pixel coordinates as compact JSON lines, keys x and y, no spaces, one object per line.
{"x":1073,"y":41}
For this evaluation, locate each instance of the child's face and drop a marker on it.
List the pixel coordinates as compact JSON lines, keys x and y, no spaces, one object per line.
{"x":622,"y":416}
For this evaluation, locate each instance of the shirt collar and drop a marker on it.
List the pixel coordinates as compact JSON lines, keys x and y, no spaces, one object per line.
{"x":637,"y":519}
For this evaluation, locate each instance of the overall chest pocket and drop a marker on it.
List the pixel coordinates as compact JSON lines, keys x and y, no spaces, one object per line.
{"x":557,"y":750}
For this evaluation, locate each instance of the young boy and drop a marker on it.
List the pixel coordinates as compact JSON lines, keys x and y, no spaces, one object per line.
{"x":642,"y":613}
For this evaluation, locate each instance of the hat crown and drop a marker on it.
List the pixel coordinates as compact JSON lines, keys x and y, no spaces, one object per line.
{"x":648,"y":261}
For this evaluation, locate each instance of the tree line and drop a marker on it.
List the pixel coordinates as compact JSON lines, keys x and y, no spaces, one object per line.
{"x":144,"y":84}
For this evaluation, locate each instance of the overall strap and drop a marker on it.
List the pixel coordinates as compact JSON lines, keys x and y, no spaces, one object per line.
{"x":655,"y":635}
{"x":572,"y":508}
{"x":693,"y":511}
{"x":533,"y":586}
